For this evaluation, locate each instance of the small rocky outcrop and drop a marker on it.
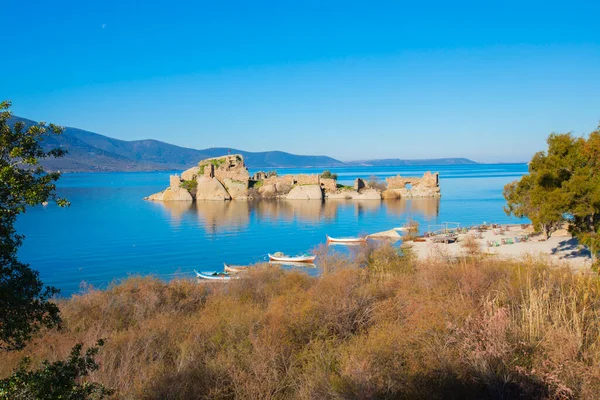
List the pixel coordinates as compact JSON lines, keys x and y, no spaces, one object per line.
{"x":305,"y":192}
{"x":175,"y":192}
{"x":227,"y":178}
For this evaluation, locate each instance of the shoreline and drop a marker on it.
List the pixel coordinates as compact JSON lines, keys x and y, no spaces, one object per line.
{"x":561,"y":248}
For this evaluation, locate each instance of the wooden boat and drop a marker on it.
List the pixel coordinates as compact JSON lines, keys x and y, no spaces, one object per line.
{"x":293,"y":264}
{"x":213,"y":276}
{"x":297,"y":259}
{"x":234,"y":269}
{"x":346,"y":240}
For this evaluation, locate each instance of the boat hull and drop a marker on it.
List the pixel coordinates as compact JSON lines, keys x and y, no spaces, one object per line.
{"x":209,"y":277}
{"x":304,"y":259}
{"x":346,"y":240}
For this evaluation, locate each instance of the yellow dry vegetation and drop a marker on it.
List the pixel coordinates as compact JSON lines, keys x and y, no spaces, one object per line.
{"x":376,"y":325}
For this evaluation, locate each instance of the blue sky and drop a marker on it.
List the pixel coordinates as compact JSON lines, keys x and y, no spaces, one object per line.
{"x":353,"y":80}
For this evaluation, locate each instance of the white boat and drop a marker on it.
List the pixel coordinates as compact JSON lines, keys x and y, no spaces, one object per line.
{"x":346,"y":240}
{"x":293,"y":264}
{"x":297,"y":259}
{"x":234,"y":269}
{"x":213,"y":276}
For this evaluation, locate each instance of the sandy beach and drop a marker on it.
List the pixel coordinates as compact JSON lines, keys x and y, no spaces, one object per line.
{"x":560,"y":249}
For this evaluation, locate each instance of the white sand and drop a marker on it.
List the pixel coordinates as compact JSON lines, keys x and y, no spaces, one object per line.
{"x":561,"y":248}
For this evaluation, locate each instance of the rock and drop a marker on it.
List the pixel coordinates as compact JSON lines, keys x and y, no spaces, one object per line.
{"x":170,"y":195}
{"x":391,"y":194}
{"x":267,"y":191}
{"x":283,"y":188}
{"x":176,"y":195}
{"x":155,"y":197}
{"x":305,"y":192}
{"x":235,"y":188}
{"x":211,"y":189}
{"x":366,"y":194}
{"x":190,"y":174}
{"x":369,"y":194}
{"x":343,"y":195}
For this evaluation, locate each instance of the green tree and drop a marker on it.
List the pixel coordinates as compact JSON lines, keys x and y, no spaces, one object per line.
{"x":58,"y":380}
{"x":563,"y":185}
{"x":25,"y":304}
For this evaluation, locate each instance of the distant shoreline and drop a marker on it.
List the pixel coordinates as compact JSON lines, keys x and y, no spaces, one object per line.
{"x":275,"y":167}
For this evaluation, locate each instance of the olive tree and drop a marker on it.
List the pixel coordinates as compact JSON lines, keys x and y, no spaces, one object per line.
{"x":562,"y":186}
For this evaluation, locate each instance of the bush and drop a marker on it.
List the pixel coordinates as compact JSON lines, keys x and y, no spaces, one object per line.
{"x":58,"y":380}
{"x":328,"y":175}
{"x":375,"y":324}
{"x":190,"y":186}
{"x":375,"y":183}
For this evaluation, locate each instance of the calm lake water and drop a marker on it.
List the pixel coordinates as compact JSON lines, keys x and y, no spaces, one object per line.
{"x":109,"y":232}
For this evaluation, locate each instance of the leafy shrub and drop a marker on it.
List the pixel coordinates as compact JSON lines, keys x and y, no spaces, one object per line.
{"x":57,"y":380}
{"x":190,"y":186}
{"x":328,"y":175}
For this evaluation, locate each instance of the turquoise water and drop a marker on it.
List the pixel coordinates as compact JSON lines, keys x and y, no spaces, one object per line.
{"x":109,"y":232}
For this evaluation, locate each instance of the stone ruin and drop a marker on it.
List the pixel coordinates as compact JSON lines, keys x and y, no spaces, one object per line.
{"x":227,"y":178}
{"x":402,"y":187}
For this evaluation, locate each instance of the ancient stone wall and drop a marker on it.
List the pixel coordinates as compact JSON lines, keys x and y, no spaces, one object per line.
{"x":284,"y":179}
{"x":225,"y":167}
{"x":328,"y":184}
{"x":306,"y":179}
{"x":427,"y":186}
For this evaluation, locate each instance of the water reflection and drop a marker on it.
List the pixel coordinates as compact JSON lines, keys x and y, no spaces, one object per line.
{"x":215,"y":215}
{"x":428,"y":207}
{"x":223,"y":214}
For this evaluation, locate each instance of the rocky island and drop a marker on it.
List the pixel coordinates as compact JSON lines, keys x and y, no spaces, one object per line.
{"x":227,"y":178}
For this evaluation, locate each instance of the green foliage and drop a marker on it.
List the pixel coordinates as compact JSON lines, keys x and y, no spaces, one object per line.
{"x":201,"y":169}
{"x":256,"y":184}
{"x":217,"y":162}
{"x":328,"y":175}
{"x":58,"y":380}
{"x":344,"y":187}
{"x":563,"y":185}
{"x":189,"y":185}
{"x":24,"y":302}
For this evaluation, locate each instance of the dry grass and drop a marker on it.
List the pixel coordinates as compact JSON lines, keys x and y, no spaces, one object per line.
{"x":378,"y":325}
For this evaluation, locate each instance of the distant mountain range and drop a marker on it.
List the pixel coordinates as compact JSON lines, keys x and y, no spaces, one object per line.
{"x":396,"y":162}
{"x":92,"y":152}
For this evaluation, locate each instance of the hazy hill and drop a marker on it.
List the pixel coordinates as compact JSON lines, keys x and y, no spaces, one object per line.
{"x":88,"y":151}
{"x":394,"y":162}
